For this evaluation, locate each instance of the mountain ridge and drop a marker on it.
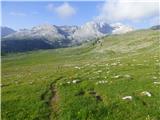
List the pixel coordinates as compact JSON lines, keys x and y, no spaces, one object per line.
{"x":60,"y":36}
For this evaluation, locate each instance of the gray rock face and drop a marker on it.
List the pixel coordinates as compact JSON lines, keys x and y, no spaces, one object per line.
{"x":91,"y":30}
{"x":51,"y":36}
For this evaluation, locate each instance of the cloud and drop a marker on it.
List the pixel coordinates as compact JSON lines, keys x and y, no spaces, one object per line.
{"x":17,"y":14}
{"x":118,"y":10}
{"x":64,"y":11}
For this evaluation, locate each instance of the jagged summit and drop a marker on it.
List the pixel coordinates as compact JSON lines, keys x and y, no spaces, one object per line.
{"x":6,"y":31}
{"x":61,"y":36}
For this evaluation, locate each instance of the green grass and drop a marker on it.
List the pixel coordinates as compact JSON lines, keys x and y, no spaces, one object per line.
{"x":27,"y":80}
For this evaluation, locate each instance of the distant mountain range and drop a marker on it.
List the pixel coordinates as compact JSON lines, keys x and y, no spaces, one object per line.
{"x":6,"y":31}
{"x":156,"y":27}
{"x":51,"y":36}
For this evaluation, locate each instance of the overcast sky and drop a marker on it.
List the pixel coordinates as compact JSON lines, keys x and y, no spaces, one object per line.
{"x":139,"y":14}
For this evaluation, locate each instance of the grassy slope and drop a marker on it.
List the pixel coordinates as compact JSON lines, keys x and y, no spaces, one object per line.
{"x":26,"y":80}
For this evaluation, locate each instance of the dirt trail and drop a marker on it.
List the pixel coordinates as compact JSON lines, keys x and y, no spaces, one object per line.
{"x":54,"y":99}
{"x":54,"y":102}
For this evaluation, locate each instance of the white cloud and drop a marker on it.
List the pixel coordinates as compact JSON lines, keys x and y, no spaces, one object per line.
{"x":17,"y":14}
{"x":117,"y":10}
{"x":64,"y":11}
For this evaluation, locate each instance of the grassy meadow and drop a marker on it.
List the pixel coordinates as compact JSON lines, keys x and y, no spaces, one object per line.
{"x":86,"y":82}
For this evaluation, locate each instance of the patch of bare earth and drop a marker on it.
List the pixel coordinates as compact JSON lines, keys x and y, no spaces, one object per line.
{"x":54,"y":102}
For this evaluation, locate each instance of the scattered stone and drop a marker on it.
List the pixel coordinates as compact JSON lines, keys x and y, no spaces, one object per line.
{"x":31,"y":83}
{"x":101,"y":82}
{"x":140,"y":64}
{"x":75,"y":81}
{"x":157,"y":83}
{"x":108,"y":72}
{"x":117,"y":76}
{"x":99,"y":71}
{"x":76,"y":67}
{"x":127,"y":76}
{"x":114,"y":64}
{"x":154,"y":77}
{"x":87,"y":64}
{"x":68,"y":82}
{"x":146,"y":93}
{"x":127,"y":98}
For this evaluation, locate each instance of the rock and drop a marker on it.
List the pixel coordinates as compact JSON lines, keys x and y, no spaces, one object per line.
{"x":114,"y":64}
{"x":146,"y":93}
{"x":139,"y":64}
{"x":99,"y":71}
{"x":127,"y":76}
{"x":76,"y":67}
{"x":30,"y":83}
{"x":101,"y":82}
{"x":68,"y":82}
{"x":108,"y":72}
{"x":117,"y":76}
{"x":75,"y":81}
{"x":127,"y":98}
{"x":157,"y":83}
{"x":154,"y":77}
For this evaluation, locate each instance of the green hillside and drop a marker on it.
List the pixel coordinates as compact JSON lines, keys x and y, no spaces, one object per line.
{"x":87,"y":82}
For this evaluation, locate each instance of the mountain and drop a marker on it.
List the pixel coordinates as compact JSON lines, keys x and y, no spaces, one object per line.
{"x":119,"y":28}
{"x":49,"y":32}
{"x":91,"y":30}
{"x":156,"y":27}
{"x":39,"y":37}
{"x":6,"y":31}
{"x":51,"y":36}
